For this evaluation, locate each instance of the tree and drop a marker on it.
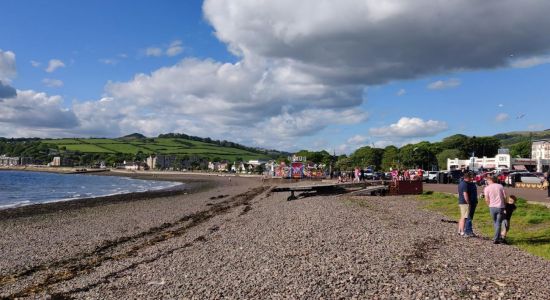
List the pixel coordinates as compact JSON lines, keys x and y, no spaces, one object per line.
{"x":367,"y":156}
{"x":344,"y":163}
{"x":444,"y":155}
{"x":521,"y":149}
{"x":480,"y":146}
{"x":390,"y":158}
{"x":454,"y":141}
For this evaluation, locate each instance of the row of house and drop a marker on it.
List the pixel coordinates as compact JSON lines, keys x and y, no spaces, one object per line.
{"x":15,"y":161}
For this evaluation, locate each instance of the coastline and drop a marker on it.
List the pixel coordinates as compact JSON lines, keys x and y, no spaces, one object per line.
{"x":188,"y":184}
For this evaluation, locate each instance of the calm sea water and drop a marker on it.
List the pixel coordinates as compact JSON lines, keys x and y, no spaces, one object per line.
{"x":24,"y":188}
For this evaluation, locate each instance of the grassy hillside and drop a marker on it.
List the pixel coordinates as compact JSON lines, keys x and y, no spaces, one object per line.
{"x":175,"y":146}
{"x":510,"y":138}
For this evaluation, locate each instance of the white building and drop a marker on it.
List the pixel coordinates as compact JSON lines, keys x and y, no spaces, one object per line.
{"x":503,"y":160}
{"x":540,"y":151}
{"x":9,"y":161}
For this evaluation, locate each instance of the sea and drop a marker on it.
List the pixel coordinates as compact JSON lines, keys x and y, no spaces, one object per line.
{"x":19,"y":188}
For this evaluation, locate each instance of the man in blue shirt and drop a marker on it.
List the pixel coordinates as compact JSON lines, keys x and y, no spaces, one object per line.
{"x":472,"y":204}
{"x":463,"y":202}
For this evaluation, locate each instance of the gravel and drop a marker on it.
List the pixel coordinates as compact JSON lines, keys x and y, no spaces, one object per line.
{"x":249,"y":243}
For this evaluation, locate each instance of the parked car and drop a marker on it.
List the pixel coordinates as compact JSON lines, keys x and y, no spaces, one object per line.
{"x":530,"y":178}
{"x":369,"y":174}
{"x":432,"y":176}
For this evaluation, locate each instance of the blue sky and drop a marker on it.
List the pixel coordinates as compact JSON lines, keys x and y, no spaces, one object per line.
{"x":279,"y":75}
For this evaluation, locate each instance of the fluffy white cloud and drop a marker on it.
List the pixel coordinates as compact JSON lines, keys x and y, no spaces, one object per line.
{"x":54,"y":64}
{"x":7,"y":65}
{"x":30,"y":109}
{"x":54,"y":83}
{"x":502,"y":117}
{"x":401,"y":92}
{"x":444,"y":84}
{"x":411,"y":127}
{"x":379,"y":41}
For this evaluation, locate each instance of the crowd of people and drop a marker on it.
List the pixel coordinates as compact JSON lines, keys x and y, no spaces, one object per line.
{"x":501,"y":206}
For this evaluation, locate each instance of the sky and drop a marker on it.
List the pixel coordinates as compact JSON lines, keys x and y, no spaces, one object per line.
{"x":286,"y":75}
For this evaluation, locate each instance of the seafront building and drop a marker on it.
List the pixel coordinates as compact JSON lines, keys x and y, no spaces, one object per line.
{"x":9,"y":161}
{"x":503,"y":160}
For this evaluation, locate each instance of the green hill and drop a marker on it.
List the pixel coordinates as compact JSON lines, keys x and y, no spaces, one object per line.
{"x":511,"y":138}
{"x":136,"y":143}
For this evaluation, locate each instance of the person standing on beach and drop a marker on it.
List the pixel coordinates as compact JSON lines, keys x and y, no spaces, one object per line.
{"x":463,"y":202}
{"x":472,"y":204}
{"x":495,"y":197}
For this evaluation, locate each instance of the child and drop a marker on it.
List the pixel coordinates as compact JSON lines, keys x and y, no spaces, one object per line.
{"x":509,"y":208}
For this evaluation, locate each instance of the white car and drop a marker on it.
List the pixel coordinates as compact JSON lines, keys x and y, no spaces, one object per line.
{"x":432,"y":176}
{"x":530,"y":178}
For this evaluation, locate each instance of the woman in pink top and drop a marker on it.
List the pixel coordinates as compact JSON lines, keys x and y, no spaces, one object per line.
{"x":495,"y":197}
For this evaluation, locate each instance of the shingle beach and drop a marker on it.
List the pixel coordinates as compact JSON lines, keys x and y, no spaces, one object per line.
{"x":235,"y":239}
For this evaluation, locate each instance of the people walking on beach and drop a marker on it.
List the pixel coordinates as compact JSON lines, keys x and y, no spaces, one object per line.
{"x":463,"y":203}
{"x":495,"y":197}
{"x":357,"y":174}
{"x":509,"y":208}
{"x":472,"y":204}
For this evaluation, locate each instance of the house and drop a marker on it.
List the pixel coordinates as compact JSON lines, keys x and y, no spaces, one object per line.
{"x":59,"y":161}
{"x":9,"y":161}
{"x":218,"y":166}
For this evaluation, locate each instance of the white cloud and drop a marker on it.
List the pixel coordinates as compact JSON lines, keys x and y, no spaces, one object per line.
{"x":54,"y":64}
{"x":175,"y":48}
{"x":35,"y":63}
{"x":444,"y":84}
{"x":153,"y":51}
{"x":31,"y":110}
{"x":7,"y":65}
{"x":401,"y":92}
{"x":502,"y":117}
{"x":313,"y":35}
{"x":500,"y":105}
{"x":411,"y":127}
{"x":357,"y":139}
{"x":529,"y":62}
{"x":54,"y":83}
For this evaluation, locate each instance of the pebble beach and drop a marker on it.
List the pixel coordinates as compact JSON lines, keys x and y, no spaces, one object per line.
{"x":221,"y":238}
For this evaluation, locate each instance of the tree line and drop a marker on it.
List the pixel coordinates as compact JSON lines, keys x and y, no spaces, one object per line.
{"x":426,"y":155}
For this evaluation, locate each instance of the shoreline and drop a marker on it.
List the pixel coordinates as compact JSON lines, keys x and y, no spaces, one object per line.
{"x":188,"y":184}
